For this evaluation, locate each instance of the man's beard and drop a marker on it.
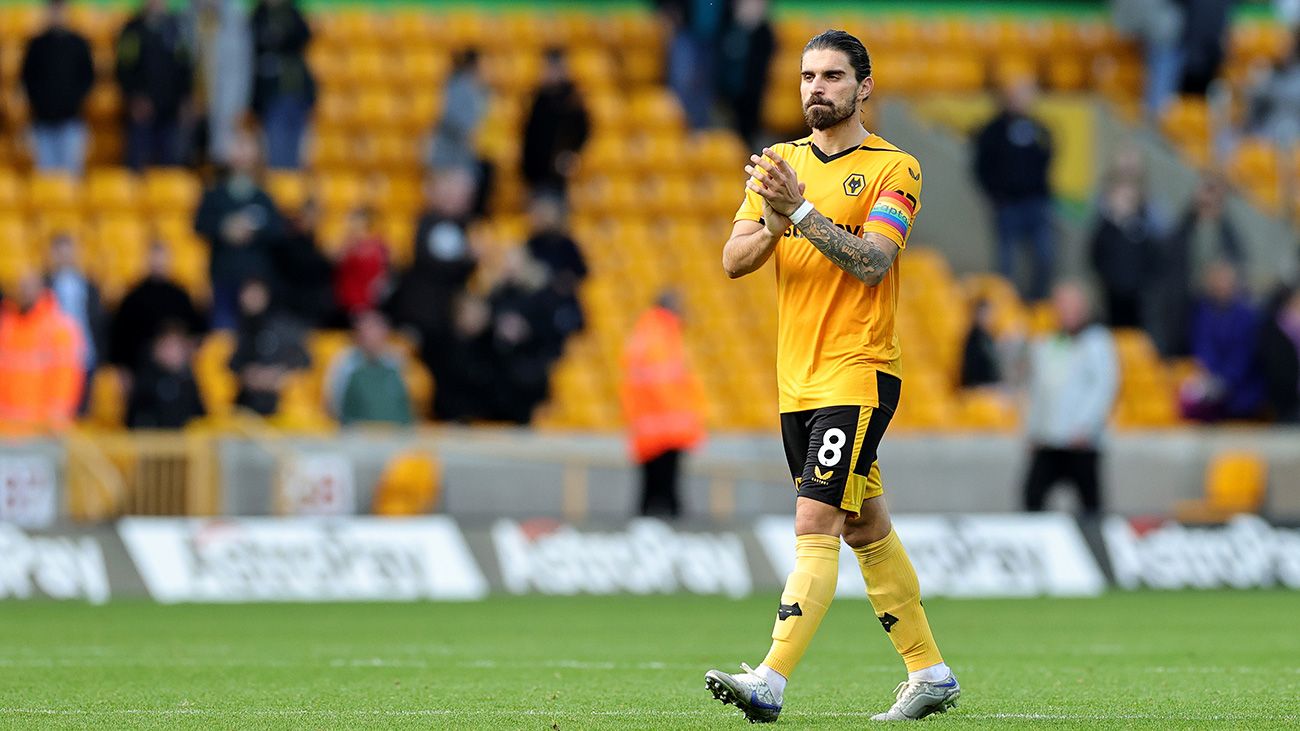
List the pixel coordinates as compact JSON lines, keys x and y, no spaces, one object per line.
{"x":820,"y":117}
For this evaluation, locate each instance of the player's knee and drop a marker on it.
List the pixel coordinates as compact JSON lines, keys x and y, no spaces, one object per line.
{"x":867,"y":529}
{"x":812,"y":517}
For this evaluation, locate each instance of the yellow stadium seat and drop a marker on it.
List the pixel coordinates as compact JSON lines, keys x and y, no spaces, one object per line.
{"x":422,"y":67}
{"x":1067,"y":72}
{"x":340,"y":193}
{"x":52,"y":193}
{"x":1235,"y":483}
{"x":172,"y":190}
{"x":217,"y":384}
{"x":104,"y":105}
{"x":106,"y":406}
{"x":415,"y":28}
{"x":330,"y":151}
{"x":409,"y":485}
{"x":375,"y":110}
{"x":12,"y":194}
{"x":287,"y":188}
{"x":657,"y":110}
{"x":111,"y":190}
{"x":368,"y":68}
{"x":333,"y":112}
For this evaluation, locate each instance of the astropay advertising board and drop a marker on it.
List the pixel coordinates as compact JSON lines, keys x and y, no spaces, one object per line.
{"x":302,"y":559}
{"x":970,"y":556}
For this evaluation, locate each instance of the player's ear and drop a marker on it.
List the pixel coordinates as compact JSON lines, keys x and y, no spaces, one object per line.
{"x":864,"y":89}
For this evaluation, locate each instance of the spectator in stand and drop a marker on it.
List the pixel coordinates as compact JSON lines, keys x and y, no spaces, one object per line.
{"x":663,"y":403}
{"x":1204,"y":43}
{"x":270,"y":346}
{"x":1204,"y":234}
{"x":223,"y":45}
{"x":524,"y":337}
{"x":551,"y":244}
{"x":361,"y":274}
{"x":57,"y":74}
{"x":980,"y":363}
{"x":556,"y":129}
{"x":1225,"y":341}
{"x":156,"y":72}
{"x":283,"y":88}
{"x":1280,"y":354}
{"x":444,"y":262}
{"x":695,"y":27}
{"x":305,"y":274}
{"x":79,"y":299}
{"x":1274,"y":110}
{"x":42,"y":364}
{"x":1157,"y":25}
{"x":365,"y":381}
{"x":746,"y":53}
{"x":455,"y":141}
{"x":1125,"y":251}
{"x":241,"y":225}
{"x":164,"y":394}
{"x":464,"y":364}
{"x":1013,"y":154}
{"x":154,"y":302}
{"x":1073,"y":380}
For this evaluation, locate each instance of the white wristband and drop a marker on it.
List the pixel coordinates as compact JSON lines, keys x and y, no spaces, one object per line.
{"x":801,"y":212}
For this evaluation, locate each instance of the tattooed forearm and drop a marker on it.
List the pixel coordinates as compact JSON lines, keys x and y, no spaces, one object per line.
{"x":861,"y":257}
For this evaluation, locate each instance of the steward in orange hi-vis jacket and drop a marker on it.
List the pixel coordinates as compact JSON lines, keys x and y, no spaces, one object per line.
{"x":41,"y":373}
{"x":663,"y":403}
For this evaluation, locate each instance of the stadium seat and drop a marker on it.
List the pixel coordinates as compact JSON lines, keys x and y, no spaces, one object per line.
{"x":110,"y":190}
{"x":1235,"y":483}
{"x":410,"y":485}
{"x":172,"y":190}
{"x":12,"y":190}
{"x":52,"y":193}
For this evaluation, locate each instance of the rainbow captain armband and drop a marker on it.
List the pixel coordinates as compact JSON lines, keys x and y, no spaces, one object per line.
{"x":895,"y":210}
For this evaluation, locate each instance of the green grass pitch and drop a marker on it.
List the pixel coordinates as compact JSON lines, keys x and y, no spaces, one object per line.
{"x":1157,"y":661}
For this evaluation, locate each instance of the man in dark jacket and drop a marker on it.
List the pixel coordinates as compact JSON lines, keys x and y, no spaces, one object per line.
{"x":1125,"y":251}
{"x":524,"y":337}
{"x":241,"y":224}
{"x":304,"y":273}
{"x":155,"y":68}
{"x":556,"y":129}
{"x":444,"y":262}
{"x":1012,"y":156}
{"x":155,"y":301}
{"x":270,"y":345}
{"x":1205,"y":36}
{"x":164,"y":394}
{"x":745,"y":54}
{"x":57,"y":73}
{"x":283,"y":88}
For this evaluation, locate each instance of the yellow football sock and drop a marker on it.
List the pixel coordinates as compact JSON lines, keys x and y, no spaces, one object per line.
{"x":896,"y":596}
{"x":808,"y":593}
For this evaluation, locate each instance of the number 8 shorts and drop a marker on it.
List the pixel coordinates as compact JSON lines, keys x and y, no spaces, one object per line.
{"x":832,"y":450}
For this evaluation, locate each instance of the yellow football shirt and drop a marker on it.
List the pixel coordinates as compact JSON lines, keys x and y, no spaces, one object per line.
{"x":834,"y":332}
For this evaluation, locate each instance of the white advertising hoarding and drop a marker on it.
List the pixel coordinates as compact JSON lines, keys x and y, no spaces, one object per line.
{"x":302,"y":559}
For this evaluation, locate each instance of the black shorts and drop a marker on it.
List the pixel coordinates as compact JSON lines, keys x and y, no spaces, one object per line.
{"x":832,"y":450}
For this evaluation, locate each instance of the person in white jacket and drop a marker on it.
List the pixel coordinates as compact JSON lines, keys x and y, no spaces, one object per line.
{"x":1073,"y":377}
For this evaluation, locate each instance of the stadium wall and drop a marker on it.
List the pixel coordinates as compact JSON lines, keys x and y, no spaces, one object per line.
{"x":494,"y":473}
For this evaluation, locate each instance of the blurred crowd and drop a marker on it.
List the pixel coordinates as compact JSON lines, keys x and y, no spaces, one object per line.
{"x":230,"y":93}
